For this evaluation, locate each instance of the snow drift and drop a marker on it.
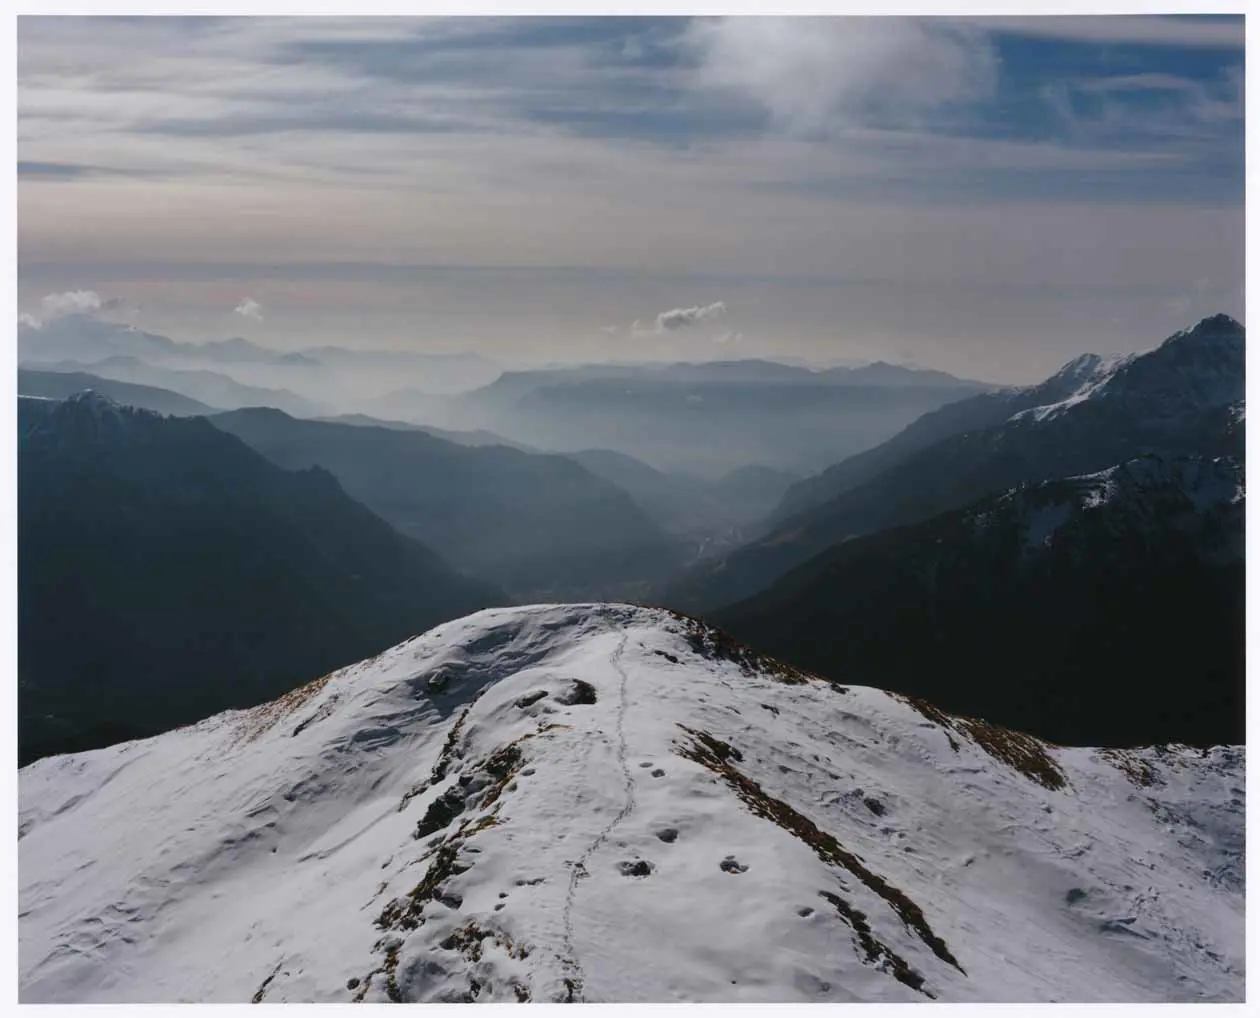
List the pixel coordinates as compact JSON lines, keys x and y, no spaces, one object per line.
{"x":610,"y":803}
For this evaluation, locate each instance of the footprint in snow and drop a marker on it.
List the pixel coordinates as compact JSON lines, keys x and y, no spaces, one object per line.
{"x":646,"y":763}
{"x":731,"y":865}
{"x":658,"y":773}
{"x":638,"y":868}
{"x":805,"y":912}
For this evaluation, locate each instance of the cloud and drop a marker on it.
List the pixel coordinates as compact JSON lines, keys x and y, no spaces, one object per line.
{"x":74,"y":302}
{"x":1198,"y":33}
{"x":681,"y":318}
{"x":249,"y":308}
{"x":729,"y":337}
{"x":610,"y":330}
{"x":69,"y":302}
{"x":812,"y":74}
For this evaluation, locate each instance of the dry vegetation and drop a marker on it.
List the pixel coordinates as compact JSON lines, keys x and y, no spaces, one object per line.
{"x":718,"y":756}
{"x":1021,"y":752}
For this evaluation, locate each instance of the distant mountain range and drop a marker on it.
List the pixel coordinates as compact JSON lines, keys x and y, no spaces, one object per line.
{"x":88,"y":339}
{"x":542,"y":527}
{"x":458,"y":437}
{"x":706,"y":419}
{"x":212,"y":389}
{"x":1180,"y":399}
{"x":62,"y":384}
{"x":166,"y":571}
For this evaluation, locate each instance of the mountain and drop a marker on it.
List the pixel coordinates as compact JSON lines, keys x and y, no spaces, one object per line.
{"x":212,"y":388}
{"x":709,"y":514}
{"x":983,"y":410}
{"x":883,"y":373}
{"x":433,"y":374}
{"x":242,"y":351}
{"x":1098,"y":610}
{"x":83,"y":337}
{"x":458,"y":437}
{"x":167,"y":571}
{"x":58,"y":385}
{"x":608,"y":803}
{"x":1179,"y":399}
{"x":704,"y":419}
{"x":539,"y":526}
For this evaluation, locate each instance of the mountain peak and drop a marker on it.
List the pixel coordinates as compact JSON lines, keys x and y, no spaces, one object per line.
{"x":1219,"y":326}
{"x":602,"y":802}
{"x":92,"y":399}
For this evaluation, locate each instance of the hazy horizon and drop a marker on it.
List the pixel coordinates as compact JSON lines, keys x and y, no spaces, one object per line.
{"x":987,"y":197}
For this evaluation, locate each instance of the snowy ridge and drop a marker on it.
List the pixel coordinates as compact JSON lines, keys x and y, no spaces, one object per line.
{"x":1086,"y":376}
{"x":604,"y":802}
{"x":1192,"y":370}
{"x":1193,"y":487}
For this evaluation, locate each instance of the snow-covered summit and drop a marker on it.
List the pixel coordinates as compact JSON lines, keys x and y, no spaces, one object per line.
{"x":606,"y":802}
{"x":1196,"y":369}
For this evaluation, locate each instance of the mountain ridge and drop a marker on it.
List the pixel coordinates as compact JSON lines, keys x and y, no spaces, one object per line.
{"x":605,"y":802}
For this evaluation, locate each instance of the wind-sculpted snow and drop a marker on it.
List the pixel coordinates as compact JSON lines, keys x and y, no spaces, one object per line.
{"x":610,"y":803}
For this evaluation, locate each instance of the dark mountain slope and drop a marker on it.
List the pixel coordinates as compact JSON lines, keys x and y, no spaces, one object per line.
{"x":1100,"y":610}
{"x":167,"y":572}
{"x":541,"y":526}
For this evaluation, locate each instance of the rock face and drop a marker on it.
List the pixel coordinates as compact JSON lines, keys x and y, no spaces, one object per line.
{"x":702,"y":823}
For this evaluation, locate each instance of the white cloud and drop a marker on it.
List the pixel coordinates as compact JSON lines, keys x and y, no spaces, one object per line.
{"x":812,"y":74}
{"x":69,"y":302}
{"x":610,"y":330}
{"x":683,"y":318}
{"x":249,"y":308}
{"x":729,"y":337}
{"x":73,"y":302}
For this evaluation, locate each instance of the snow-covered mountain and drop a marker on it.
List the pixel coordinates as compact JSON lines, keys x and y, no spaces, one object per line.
{"x":611,"y":803}
{"x":1192,"y":371}
{"x":1180,"y":399}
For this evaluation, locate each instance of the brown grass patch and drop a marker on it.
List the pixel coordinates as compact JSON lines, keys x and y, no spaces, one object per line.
{"x":716,"y":755}
{"x":263,"y":718}
{"x":1019,"y":751}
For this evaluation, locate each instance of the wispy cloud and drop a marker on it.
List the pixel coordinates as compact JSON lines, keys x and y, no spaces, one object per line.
{"x":1132,"y":30}
{"x":680,"y":318}
{"x":816,"y":73}
{"x":249,"y":308}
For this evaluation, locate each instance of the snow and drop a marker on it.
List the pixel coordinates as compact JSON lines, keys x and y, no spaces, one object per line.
{"x":1090,"y":374}
{"x":799,"y":841}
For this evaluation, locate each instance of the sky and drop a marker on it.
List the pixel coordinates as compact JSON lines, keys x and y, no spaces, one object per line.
{"x":988,"y":196}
